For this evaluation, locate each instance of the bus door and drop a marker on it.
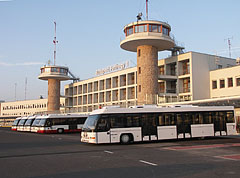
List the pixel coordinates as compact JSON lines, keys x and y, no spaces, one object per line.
{"x":72,"y":124}
{"x":220,"y":124}
{"x":103,"y":131}
{"x":183,"y":125}
{"x":149,"y":127}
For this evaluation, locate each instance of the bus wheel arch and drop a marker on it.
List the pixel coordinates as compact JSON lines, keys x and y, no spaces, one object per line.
{"x":126,"y":138}
{"x":60,"y":130}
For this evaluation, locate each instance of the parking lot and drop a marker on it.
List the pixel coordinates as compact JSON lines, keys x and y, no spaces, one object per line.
{"x":63,"y":155}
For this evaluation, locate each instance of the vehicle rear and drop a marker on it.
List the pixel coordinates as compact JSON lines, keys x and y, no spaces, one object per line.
{"x":15,"y":123}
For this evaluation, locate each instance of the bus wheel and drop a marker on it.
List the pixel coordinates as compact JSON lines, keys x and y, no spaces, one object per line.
{"x":60,"y":131}
{"x":125,"y":139}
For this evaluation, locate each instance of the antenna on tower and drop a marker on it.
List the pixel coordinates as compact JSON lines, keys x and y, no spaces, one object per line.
{"x":15,"y":84}
{"x":147,"y":9}
{"x":229,"y":45}
{"x":55,"y":43}
{"x":25,"y":88}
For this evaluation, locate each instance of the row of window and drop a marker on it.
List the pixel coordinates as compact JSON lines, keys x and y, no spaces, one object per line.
{"x":30,"y":106}
{"x":147,"y":28}
{"x":222,"y":83}
{"x":108,"y":83}
{"x":54,"y":69}
{"x":162,"y":119}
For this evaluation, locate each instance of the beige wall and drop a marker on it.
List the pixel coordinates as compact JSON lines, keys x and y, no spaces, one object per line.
{"x":224,"y":74}
{"x":26,"y":107}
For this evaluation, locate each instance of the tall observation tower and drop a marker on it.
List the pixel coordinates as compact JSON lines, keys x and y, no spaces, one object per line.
{"x":54,"y":75}
{"x":147,"y":38}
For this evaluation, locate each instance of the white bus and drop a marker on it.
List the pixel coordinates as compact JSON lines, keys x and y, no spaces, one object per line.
{"x":28,"y":123}
{"x":115,"y":124}
{"x":21,"y":123}
{"x":59,"y":123}
{"x":15,"y":123}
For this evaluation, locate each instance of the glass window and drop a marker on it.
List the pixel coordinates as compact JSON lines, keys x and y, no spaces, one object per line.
{"x":222,"y":83}
{"x":150,"y":28}
{"x":129,"y":31}
{"x":186,"y":85}
{"x":103,"y":124}
{"x":159,"y":28}
{"x":238,"y":81}
{"x":230,"y":82}
{"x":214,"y":84}
{"x":116,"y":121}
{"x":47,"y":69}
{"x":154,"y":28}
{"x":141,"y":28}
{"x":91,"y":122}
{"x":164,"y":30}
{"x":230,"y":117}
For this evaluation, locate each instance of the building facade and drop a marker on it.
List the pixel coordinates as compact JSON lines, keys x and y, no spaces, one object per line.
{"x":26,"y":107}
{"x":184,"y":77}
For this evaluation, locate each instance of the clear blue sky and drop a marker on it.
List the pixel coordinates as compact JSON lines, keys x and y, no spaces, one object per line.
{"x":89,"y":34}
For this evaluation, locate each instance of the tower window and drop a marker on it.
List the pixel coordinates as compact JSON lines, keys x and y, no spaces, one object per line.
{"x":139,"y":52}
{"x":139,"y":70}
{"x":139,"y":88}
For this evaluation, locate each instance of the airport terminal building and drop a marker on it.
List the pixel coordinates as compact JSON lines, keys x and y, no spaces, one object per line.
{"x":184,"y":77}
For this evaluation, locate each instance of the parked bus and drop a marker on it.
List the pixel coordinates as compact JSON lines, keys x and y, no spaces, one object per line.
{"x":59,"y":123}
{"x":21,"y":123}
{"x":28,"y":123}
{"x":35,"y":124}
{"x":15,"y":123}
{"x":115,"y":124}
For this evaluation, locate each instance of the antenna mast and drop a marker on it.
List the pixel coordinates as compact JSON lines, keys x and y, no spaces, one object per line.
{"x":229,"y":45}
{"x":147,"y":9}
{"x":25,"y":88}
{"x":55,"y":42}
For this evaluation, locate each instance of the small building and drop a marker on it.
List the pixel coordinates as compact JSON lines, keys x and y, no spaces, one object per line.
{"x":26,"y":107}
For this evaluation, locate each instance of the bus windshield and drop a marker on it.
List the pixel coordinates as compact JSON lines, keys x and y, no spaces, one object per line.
{"x":90,"y":123}
{"x":15,"y":122}
{"x":42,"y":122}
{"x":22,"y":121}
{"x":36,"y":122}
{"x":29,"y":122}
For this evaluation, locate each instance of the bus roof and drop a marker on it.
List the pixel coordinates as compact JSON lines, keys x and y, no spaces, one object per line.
{"x":154,"y":109}
{"x":61,"y":116}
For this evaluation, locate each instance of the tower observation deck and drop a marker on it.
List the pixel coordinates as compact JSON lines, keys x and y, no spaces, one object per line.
{"x":147,"y":38}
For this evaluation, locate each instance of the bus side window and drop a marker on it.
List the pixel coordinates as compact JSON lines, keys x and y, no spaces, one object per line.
{"x":161,"y":120}
{"x":48,"y":123}
{"x":116,"y":122}
{"x":230,"y":117}
{"x":103,"y":125}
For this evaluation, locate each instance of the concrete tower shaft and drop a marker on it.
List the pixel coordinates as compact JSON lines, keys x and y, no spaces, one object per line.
{"x":147,"y":77}
{"x":53,"y":95}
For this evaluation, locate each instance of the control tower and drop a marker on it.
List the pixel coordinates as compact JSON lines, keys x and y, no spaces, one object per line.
{"x":147,"y":38}
{"x":54,"y":75}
